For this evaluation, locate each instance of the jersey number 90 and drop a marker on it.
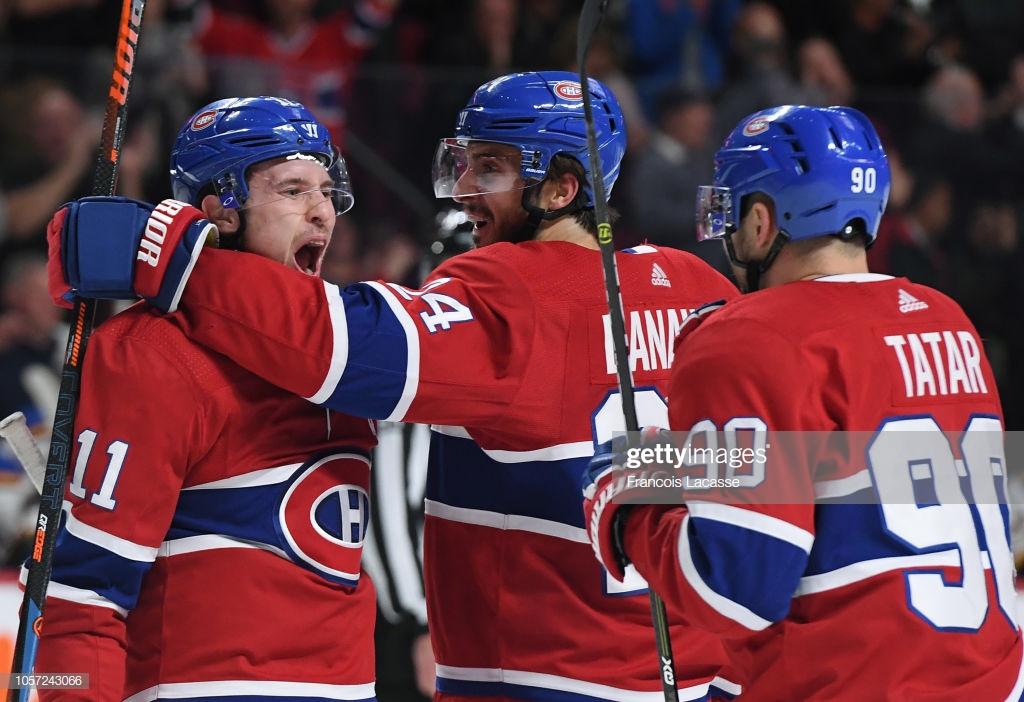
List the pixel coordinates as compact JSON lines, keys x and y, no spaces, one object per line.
{"x":933,"y":503}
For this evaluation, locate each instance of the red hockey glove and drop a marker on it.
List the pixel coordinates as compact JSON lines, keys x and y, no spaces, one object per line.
{"x":606,"y":487}
{"x":603,"y":518}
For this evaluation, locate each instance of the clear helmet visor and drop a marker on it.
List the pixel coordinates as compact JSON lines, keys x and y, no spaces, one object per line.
{"x":467,"y":167}
{"x":714,"y":212}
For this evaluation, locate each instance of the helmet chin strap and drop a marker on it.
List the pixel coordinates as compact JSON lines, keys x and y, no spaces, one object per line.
{"x":755,"y":269}
{"x":535,"y":215}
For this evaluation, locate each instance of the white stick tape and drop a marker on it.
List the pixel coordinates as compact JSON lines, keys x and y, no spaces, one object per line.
{"x":15,"y":429}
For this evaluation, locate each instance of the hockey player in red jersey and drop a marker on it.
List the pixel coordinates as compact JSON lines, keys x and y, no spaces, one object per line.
{"x":505,"y":350}
{"x":213,"y":526}
{"x":897,"y":582}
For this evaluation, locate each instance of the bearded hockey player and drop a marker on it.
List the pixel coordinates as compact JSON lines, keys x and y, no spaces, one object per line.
{"x":893,"y":580}
{"x":213,"y":526}
{"x":505,"y":350}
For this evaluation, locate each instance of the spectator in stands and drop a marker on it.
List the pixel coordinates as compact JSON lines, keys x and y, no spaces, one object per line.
{"x":1007,"y":115}
{"x":604,"y":63}
{"x":479,"y":38}
{"x":292,"y":53}
{"x":822,"y":74}
{"x":665,"y":176}
{"x":31,"y":345}
{"x":48,"y":156}
{"x":895,"y":225}
{"x":953,"y":142}
{"x":759,"y":71}
{"x":983,"y":35}
{"x":915,"y":243}
{"x":31,"y":342}
{"x":988,"y":284}
{"x":678,"y":43}
{"x":884,"y":43}
{"x":540,"y":24}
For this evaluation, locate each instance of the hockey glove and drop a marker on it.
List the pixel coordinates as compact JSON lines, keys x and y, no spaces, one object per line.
{"x":117,"y":248}
{"x":604,"y":519}
{"x":609,"y":494}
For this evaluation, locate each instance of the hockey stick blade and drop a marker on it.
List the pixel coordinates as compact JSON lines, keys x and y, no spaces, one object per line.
{"x":14,"y":429}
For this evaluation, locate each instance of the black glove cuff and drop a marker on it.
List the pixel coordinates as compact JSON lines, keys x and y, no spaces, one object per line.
{"x":619,"y":534}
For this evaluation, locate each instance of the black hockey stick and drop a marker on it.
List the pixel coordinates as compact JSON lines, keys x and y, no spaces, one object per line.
{"x":104,"y":178}
{"x":590,"y":18}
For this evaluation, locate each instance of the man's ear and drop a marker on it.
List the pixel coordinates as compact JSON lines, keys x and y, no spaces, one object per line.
{"x":764,"y":225}
{"x":226,"y":218}
{"x":560,"y":192}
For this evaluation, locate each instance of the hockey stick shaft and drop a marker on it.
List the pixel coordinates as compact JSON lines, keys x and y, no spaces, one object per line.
{"x":590,"y":18}
{"x":40,"y":560}
{"x":14,"y":429}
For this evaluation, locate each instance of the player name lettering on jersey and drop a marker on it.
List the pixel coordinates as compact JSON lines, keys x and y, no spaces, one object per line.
{"x":938,"y":362}
{"x":651,"y":335}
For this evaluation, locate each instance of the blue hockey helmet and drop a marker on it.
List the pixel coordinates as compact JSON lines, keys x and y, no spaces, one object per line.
{"x":823,"y":167}
{"x":541,"y":114}
{"x":220,"y":142}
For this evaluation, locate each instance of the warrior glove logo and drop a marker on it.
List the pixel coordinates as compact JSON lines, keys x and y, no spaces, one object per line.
{"x":156,"y":231}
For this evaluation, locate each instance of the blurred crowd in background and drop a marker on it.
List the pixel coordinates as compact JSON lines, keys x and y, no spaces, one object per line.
{"x":943,"y":80}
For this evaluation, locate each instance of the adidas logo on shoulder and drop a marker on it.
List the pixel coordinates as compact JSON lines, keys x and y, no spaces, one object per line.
{"x":909,"y":303}
{"x":658,"y":277}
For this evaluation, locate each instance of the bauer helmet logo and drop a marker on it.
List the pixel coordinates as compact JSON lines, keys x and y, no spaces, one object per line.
{"x":204,"y":120}
{"x":568,"y":90}
{"x":755,"y":126}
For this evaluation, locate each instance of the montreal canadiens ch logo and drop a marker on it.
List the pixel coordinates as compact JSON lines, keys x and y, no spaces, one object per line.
{"x":325,"y":513}
{"x":568,"y":90}
{"x":204,"y":120}
{"x":755,"y":126}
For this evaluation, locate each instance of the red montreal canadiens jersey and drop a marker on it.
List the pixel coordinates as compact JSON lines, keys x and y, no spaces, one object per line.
{"x":898,"y":583}
{"x":506,"y":351}
{"x":212,"y":532}
{"x":315,"y":67}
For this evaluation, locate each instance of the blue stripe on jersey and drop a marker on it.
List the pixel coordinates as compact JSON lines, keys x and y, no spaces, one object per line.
{"x":375,"y":372}
{"x":748,"y":567}
{"x":475,"y":688}
{"x":250,"y":514}
{"x":243,"y":513}
{"x":836,"y":545}
{"x":460,"y":474}
{"x":85,"y":565}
